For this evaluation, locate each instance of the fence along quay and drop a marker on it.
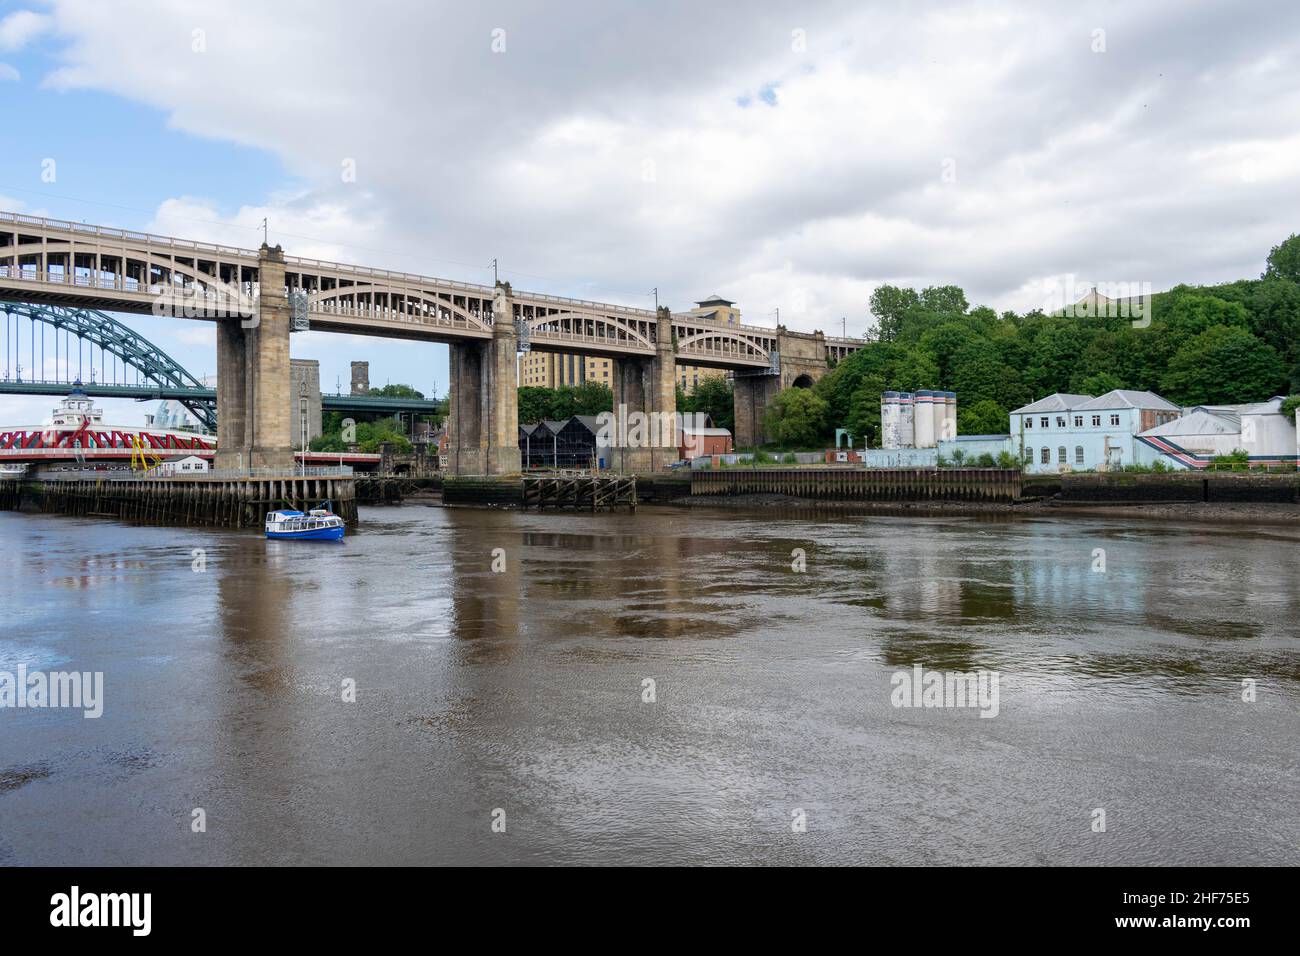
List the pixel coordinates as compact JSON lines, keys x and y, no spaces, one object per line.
{"x":861,"y":484}
{"x":213,"y":499}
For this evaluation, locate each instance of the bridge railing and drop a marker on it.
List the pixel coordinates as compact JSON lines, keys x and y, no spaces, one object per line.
{"x":108,"y":232}
{"x":161,"y":473}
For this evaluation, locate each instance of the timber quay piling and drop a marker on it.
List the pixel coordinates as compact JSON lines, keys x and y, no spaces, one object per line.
{"x":583,"y":492}
{"x":580,"y":492}
{"x":863,"y":484}
{"x":211,"y":500}
{"x":10,"y":494}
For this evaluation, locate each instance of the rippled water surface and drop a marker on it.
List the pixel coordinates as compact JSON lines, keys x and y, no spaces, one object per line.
{"x":523,"y":691}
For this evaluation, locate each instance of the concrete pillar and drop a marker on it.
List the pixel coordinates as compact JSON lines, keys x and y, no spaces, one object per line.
{"x":751,"y":396}
{"x":271,"y":433}
{"x":663,"y":390}
{"x":645,"y":405}
{"x":464,"y":454}
{"x":232,"y":386}
{"x":628,"y":376}
{"x":501,"y":389}
{"x":483,"y":413}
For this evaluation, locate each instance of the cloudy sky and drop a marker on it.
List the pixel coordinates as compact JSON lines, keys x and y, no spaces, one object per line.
{"x":789,"y":156}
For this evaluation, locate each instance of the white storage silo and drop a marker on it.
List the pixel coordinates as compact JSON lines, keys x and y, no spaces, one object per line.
{"x":906,"y":412}
{"x":890,"y":417}
{"x":950,"y":415}
{"x":940,"y":416}
{"x":923,"y":419}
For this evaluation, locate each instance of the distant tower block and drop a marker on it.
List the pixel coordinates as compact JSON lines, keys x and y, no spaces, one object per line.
{"x":923,"y":419}
{"x":907,"y":412}
{"x":360,"y":378}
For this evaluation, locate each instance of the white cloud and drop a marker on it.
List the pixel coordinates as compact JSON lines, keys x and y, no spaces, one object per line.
{"x":20,"y":27}
{"x":8,"y":72}
{"x":604,"y":152}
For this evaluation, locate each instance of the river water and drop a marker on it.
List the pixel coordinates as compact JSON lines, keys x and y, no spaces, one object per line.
{"x":520,"y":697}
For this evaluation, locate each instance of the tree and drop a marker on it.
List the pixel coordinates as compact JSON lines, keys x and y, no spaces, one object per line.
{"x":1289,"y":406}
{"x":863,"y":418}
{"x":1223,"y":365}
{"x":1284,"y":260}
{"x":592,"y":398}
{"x":796,"y":417}
{"x":983,"y":418}
{"x":712,"y":397}
{"x":889,"y":304}
{"x":946,"y":300}
{"x":1190,"y":313}
{"x":1099,"y":384}
{"x":397,"y":391}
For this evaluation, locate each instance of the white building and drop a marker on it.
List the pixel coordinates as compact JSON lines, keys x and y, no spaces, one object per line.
{"x":183,"y":465}
{"x":1259,"y":429}
{"x":1065,"y":432}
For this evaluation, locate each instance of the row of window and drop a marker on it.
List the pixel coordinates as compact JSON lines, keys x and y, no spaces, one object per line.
{"x":1046,"y":421}
{"x":1061,"y":456}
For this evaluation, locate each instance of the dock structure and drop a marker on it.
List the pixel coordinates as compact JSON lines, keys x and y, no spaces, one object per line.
{"x":212,"y":499}
{"x":580,"y":492}
{"x":863,"y":484}
{"x":10,"y":494}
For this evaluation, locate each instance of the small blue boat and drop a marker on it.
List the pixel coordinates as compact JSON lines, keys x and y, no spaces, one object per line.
{"x":319,"y":524}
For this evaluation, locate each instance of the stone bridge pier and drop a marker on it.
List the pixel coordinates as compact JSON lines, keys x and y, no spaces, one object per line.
{"x":801,"y":360}
{"x":644,"y":435}
{"x":483,"y":404}
{"x":254,"y":428}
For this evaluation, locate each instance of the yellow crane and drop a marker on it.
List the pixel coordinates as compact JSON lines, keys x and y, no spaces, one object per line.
{"x":143,"y":457}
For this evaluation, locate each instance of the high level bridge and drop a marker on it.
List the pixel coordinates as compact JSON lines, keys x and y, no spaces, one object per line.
{"x":248,"y":293}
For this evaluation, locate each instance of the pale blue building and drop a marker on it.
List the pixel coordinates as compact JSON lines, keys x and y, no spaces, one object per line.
{"x":1064,"y":432}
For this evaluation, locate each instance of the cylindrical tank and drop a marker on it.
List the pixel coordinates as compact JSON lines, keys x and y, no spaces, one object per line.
{"x":923,"y":419}
{"x":906,"y":410}
{"x":891,"y":410}
{"x":940,"y":416}
{"x":950,"y":414}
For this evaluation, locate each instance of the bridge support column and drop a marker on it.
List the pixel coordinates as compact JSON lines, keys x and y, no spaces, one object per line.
{"x":645,"y":405}
{"x":268,"y":366}
{"x":751,"y":395}
{"x":253,"y":386}
{"x":483,"y":412}
{"x":232,"y":395}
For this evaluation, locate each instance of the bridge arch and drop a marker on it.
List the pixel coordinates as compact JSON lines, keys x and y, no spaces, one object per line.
{"x":114,"y":338}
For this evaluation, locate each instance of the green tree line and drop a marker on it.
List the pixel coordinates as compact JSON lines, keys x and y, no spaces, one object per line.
{"x":1222,"y":344}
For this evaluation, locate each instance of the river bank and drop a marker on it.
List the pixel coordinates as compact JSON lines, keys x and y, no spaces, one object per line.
{"x":1234,"y":512}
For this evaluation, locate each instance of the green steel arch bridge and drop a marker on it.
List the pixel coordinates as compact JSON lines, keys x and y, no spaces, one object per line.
{"x":50,"y":349}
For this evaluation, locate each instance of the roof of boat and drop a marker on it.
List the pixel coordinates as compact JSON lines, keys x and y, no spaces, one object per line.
{"x":288,"y":514}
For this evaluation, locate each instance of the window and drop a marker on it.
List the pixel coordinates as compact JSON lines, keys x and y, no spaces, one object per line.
{"x":1029,"y":421}
{"x":1060,"y":421}
{"x":1029,"y":456}
{"x":1096,"y":421}
{"x":1060,"y":455}
{"x":1078,"y":421}
{"x":1114,"y":419}
{"x":1078,"y":454}
{"x":1047,"y":455}
{"x":1044,"y":420}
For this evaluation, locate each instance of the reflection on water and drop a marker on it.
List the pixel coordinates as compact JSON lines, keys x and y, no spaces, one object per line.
{"x":522,"y":689}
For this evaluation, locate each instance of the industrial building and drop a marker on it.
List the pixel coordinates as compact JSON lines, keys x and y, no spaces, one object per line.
{"x":1193,"y":440}
{"x":917,"y":419}
{"x":561,"y":444}
{"x":1065,"y":432}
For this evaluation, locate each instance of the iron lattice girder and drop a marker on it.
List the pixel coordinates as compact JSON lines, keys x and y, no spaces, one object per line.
{"x":117,"y":339}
